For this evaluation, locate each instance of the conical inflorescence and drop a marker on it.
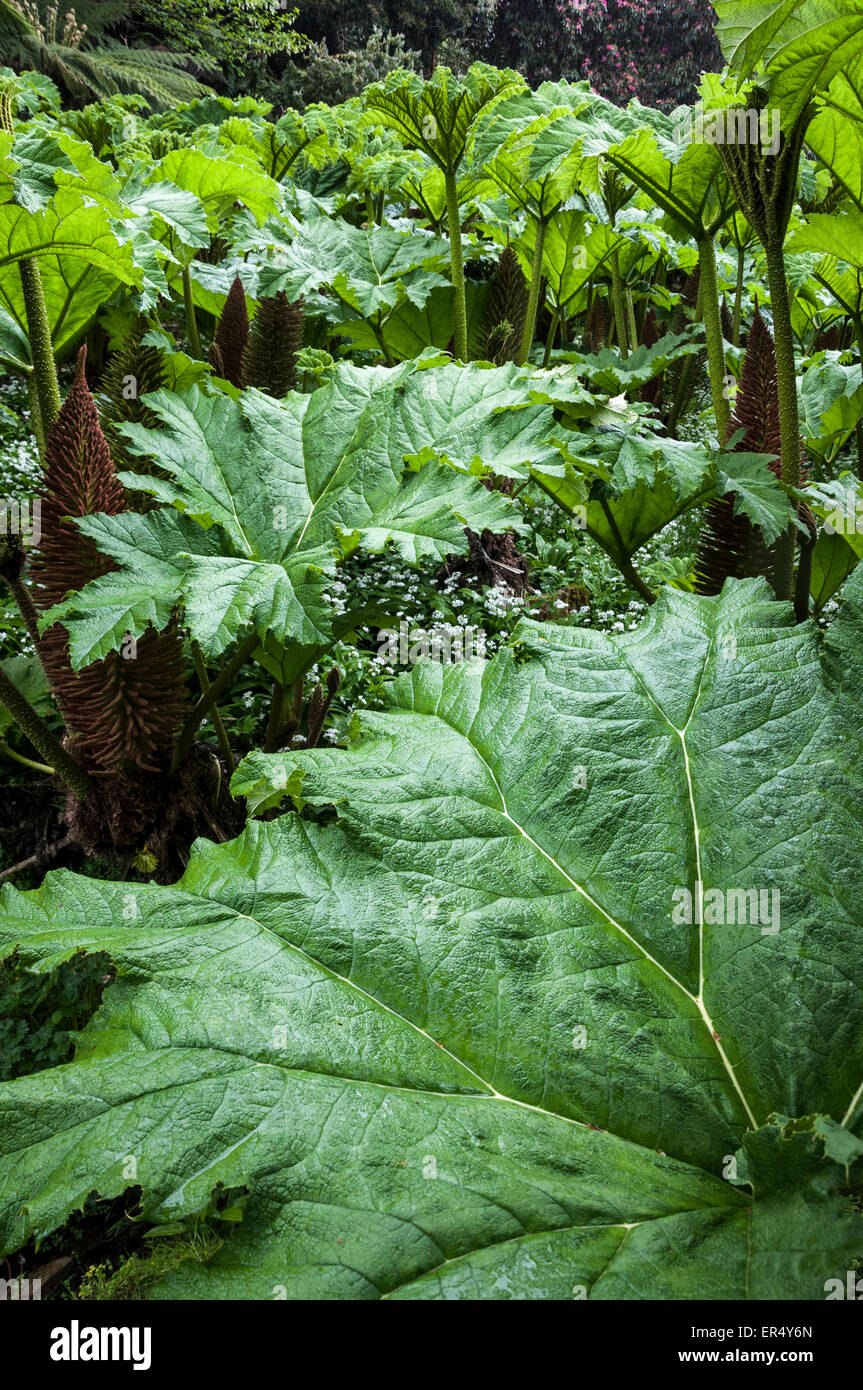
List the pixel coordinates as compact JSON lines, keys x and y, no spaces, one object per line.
{"x":122,"y":710}
{"x":133,"y":371}
{"x":730,"y":546}
{"x":232,"y":334}
{"x":275,"y":338}
{"x":506,"y":310}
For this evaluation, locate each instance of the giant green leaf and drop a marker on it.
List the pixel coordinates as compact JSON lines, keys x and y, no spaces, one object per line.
{"x":370,"y":271}
{"x":574,"y":251}
{"x":436,"y":116}
{"x":839,"y":548}
{"x":609,"y":372}
{"x":836,"y":134}
{"x":660,"y":154}
{"x":454,"y":1042}
{"x":29,"y":164}
{"x":411,"y":328}
{"x":279,"y":490}
{"x":219,"y":183}
{"x":623,"y":489}
{"x":838,"y":234}
{"x":529,"y":145}
{"x":831,"y":405}
{"x":66,"y":226}
{"x":83,"y":256}
{"x":803,"y":44}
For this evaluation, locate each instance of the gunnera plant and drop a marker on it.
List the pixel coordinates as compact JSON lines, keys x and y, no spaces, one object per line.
{"x":506,"y":310}
{"x":232,"y":332}
{"x":134,"y":369}
{"x":275,"y":338}
{"x":121,"y":712}
{"x":729,"y":545}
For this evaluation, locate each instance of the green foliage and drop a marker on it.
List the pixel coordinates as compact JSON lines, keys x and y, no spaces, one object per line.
{"x":336,"y":77}
{"x":41,"y":1013}
{"x":644,"y":1148}
{"x":223,"y":30}
{"x":136,"y":1277}
{"x":436,"y":116}
{"x":457,"y":932}
{"x":803,"y":44}
{"x":84,"y":69}
{"x":264,"y":497}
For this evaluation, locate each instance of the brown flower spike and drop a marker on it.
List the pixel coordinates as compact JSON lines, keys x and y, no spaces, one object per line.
{"x":122,"y":711}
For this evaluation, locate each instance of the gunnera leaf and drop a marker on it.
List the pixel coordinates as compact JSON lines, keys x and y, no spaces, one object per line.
{"x":134,"y":370}
{"x":461,"y":1039}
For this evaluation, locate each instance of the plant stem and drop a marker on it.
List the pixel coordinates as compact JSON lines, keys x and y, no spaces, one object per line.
{"x":549,"y":342}
{"x":42,"y":739}
{"x":297,"y":698}
{"x":382,"y":342}
{"x":623,"y":561}
{"x":713,"y":333}
{"x":683,"y":390}
{"x":209,"y":698}
{"x":41,"y":347}
{"x":35,"y":415}
{"x":42,"y":385}
{"x":630,"y":573}
{"x":803,"y":581}
{"x":630,"y":316}
{"x":789,"y":423}
{"x":533,"y":295}
{"x":617,"y":305}
{"x":459,"y":306}
{"x":25,"y":762}
{"x":681,"y":395}
{"x":738,"y":294}
{"x":278,"y":715}
{"x":191,"y":320}
{"x":858,"y":334}
{"x":40,"y":859}
{"x":26,"y":607}
{"x":218,"y":725}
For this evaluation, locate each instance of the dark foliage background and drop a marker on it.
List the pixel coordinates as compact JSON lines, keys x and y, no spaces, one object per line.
{"x":651,"y":49}
{"x":328,"y":50}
